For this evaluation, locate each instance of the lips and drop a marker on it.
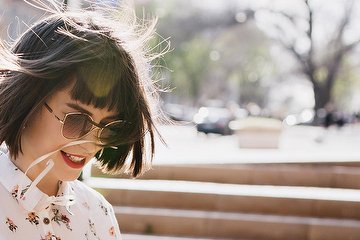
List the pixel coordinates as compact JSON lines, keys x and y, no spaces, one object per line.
{"x":72,"y":160}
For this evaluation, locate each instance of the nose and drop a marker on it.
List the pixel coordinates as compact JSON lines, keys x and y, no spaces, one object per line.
{"x":93,"y":146}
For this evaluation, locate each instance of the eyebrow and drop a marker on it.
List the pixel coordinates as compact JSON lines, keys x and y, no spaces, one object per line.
{"x":83,"y":110}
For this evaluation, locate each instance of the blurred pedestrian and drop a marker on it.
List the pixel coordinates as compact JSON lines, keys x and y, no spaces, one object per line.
{"x":74,"y":86}
{"x":327,"y":121}
{"x":329,"y":115}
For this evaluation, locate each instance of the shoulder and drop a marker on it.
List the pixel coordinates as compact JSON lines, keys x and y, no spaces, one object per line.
{"x":97,"y":209}
{"x":88,"y":194}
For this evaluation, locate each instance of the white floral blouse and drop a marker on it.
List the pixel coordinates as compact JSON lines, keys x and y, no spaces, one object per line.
{"x":36,"y":216}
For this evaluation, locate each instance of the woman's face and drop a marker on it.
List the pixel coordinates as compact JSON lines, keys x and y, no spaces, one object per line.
{"x":42,"y":135}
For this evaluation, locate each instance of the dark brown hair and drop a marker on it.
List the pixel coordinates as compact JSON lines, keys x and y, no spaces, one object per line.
{"x":111,"y":68}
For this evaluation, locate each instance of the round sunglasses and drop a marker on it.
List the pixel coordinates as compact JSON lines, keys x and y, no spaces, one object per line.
{"x":76,"y":125}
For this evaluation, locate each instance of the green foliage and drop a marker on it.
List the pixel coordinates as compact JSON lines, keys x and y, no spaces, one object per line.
{"x":188,"y":64}
{"x":246,"y":62}
{"x":321,"y":74}
{"x":213,"y":56}
{"x":346,"y":86}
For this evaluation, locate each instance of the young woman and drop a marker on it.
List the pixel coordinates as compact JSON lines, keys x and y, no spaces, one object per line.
{"x":73,"y":87}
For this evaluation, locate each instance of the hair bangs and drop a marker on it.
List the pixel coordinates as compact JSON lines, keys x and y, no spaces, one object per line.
{"x":99,"y":85}
{"x":106,"y":61}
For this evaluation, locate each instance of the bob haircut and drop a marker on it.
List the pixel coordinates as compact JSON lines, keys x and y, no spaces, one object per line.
{"x":109,"y":66}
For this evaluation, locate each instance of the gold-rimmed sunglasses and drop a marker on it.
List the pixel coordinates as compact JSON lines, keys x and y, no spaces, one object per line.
{"x":76,"y":125}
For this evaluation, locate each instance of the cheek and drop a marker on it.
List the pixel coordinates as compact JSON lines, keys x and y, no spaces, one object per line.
{"x":43,"y":133}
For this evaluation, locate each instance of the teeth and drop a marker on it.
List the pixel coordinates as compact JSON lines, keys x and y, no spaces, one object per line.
{"x":74,"y":158}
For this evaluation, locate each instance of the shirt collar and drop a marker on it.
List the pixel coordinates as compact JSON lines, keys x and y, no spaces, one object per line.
{"x":16,"y":182}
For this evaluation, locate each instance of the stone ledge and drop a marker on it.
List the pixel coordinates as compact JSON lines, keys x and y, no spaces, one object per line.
{"x":234,"y":225}
{"x":284,"y":200}
{"x":153,"y":237}
{"x":317,"y":175}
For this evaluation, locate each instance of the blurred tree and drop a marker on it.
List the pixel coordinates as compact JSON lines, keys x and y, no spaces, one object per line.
{"x":349,"y":86}
{"x":244,"y":62}
{"x":192,"y":34}
{"x":190,"y":63}
{"x":320,"y":63}
{"x":216,"y":55}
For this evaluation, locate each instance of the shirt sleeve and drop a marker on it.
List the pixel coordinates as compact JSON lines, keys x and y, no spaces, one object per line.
{"x":113,"y":229}
{"x":103,"y":222}
{"x":114,"y":222}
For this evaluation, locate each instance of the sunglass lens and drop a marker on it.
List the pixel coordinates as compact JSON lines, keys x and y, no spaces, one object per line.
{"x":76,"y":125}
{"x":111,"y":131}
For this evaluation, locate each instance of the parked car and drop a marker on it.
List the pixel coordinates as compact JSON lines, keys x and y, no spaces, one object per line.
{"x":305,"y":117}
{"x":214,"y":120}
{"x":179,"y":112}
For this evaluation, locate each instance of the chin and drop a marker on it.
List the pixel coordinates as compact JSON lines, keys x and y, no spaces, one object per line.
{"x":71,"y":177}
{"x":64,"y":174}
{"x":66,"y":170}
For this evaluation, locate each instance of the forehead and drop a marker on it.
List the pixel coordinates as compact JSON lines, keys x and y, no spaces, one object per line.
{"x":102,"y":89}
{"x":63,"y":97}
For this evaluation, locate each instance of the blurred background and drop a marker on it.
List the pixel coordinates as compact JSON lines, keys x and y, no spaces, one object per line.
{"x":264,"y":98}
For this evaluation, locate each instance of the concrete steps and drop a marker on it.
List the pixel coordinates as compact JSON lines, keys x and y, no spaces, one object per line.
{"x":330,"y":175}
{"x":232,"y":211}
{"x":258,"y":202}
{"x":234,"y":225}
{"x":284,"y":200}
{"x":157,"y":237}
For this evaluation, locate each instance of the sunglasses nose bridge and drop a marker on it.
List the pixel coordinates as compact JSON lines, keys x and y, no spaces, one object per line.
{"x":92,"y":136}
{"x":97,"y":133}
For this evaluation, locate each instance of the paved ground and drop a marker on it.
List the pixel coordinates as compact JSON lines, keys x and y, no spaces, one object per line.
{"x":144,"y":237}
{"x":297,"y":144}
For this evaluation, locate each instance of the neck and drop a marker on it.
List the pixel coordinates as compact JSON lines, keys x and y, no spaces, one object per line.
{"x":47,"y":185}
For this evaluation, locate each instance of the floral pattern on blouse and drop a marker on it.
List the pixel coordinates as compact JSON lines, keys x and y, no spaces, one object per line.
{"x":101,"y":205}
{"x":86,"y":205}
{"x":11,"y":225}
{"x":112,"y":231}
{"x":15,"y":190}
{"x":34,"y":216}
{"x":50,"y":236}
{"x":92,"y":229}
{"x":61,"y":218}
